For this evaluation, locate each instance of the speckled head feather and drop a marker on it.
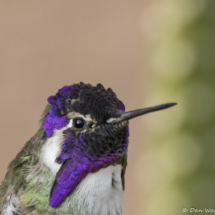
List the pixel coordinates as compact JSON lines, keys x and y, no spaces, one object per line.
{"x":100,"y":103}
{"x":88,"y":149}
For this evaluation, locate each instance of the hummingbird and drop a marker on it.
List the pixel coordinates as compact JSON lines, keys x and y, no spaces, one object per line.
{"x":76,"y":162}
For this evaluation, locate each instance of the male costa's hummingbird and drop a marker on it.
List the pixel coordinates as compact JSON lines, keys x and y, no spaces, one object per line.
{"x":75,"y":164}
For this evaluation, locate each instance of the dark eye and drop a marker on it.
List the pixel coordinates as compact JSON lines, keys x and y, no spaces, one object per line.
{"x":79,"y":123}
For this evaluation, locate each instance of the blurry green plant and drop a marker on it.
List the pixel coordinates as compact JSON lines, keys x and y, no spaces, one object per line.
{"x":178,"y":161}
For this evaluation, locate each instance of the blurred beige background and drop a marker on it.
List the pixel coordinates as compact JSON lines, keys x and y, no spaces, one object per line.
{"x":45,"y":45}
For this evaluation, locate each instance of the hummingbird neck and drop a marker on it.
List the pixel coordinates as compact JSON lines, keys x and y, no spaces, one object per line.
{"x":51,"y":150}
{"x":101,"y":192}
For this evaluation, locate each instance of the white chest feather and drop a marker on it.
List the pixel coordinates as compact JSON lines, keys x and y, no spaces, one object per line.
{"x":10,"y":203}
{"x":101,"y":192}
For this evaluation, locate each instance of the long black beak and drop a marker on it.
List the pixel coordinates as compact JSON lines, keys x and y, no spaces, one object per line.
{"x":135,"y":113}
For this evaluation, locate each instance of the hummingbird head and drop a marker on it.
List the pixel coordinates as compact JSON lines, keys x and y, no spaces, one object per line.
{"x":95,"y":135}
{"x":86,"y":110}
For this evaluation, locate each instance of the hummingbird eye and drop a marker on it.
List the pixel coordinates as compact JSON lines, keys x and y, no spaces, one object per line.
{"x":79,"y":123}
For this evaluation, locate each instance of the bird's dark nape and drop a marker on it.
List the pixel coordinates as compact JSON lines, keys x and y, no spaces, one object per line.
{"x":99,"y":103}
